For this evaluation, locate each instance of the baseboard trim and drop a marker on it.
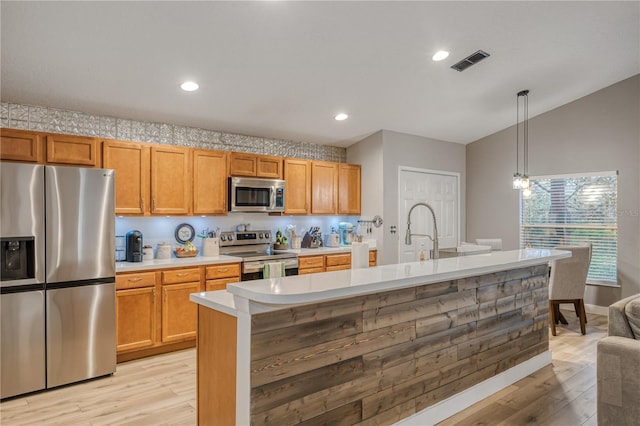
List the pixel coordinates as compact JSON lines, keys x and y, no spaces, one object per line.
{"x":450,"y":406}
{"x":595,"y":309}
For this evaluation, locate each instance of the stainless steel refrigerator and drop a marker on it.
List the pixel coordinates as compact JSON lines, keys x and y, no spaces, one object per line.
{"x":58,"y":276}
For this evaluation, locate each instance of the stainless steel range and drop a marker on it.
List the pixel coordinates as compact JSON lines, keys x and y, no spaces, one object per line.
{"x":254,"y":247}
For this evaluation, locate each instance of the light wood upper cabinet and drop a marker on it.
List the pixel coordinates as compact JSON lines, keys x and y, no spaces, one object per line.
{"x":170,"y":180}
{"x":253,"y":165}
{"x":349,"y":189}
{"x":297,"y":175}
{"x":242,"y":164}
{"x":76,"y":150}
{"x":132,"y":165}
{"x":20,"y":145}
{"x":268,"y":167}
{"x":324,"y":187}
{"x":209,"y":182}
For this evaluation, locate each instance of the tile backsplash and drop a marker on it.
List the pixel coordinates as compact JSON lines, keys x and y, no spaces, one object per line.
{"x":44,"y":119}
{"x":160,"y":229}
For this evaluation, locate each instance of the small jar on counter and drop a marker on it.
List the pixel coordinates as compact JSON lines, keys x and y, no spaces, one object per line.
{"x":147,"y":253}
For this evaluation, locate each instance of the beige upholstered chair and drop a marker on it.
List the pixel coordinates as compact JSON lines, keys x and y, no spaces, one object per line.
{"x":566,"y":284}
{"x":618,"y":366}
{"x":494,"y":243}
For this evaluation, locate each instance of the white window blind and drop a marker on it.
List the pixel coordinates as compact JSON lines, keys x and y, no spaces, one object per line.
{"x":574,"y":209}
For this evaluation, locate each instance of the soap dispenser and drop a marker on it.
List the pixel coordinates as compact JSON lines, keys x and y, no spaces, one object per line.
{"x":421,"y":255}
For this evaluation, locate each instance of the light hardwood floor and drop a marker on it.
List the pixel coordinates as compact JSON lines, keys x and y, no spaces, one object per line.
{"x":161,"y":390}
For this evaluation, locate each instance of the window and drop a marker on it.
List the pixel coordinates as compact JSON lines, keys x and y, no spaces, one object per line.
{"x":574,"y":209}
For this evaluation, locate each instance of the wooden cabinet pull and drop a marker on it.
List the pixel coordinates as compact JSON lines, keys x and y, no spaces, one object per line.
{"x":223,"y":269}
{"x":182,"y":274}
{"x":134,"y":280}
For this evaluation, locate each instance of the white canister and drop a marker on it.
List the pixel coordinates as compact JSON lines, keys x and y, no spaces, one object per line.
{"x":210,"y":247}
{"x":147,"y":253}
{"x":164,"y":251}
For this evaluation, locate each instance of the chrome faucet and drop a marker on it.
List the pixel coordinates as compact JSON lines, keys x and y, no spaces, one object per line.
{"x":407,"y":238}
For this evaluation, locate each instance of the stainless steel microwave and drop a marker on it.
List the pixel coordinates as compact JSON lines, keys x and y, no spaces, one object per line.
{"x":256,"y":195}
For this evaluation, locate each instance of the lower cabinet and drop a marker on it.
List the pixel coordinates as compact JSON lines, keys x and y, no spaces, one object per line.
{"x":135,"y":318}
{"x":179,"y":314}
{"x":329,"y":262}
{"x":219,"y":276}
{"x":338,"y":262}
{"x":153,"y":310}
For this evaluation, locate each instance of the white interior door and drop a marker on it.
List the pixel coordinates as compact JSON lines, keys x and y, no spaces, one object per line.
{"x":441,"y":191}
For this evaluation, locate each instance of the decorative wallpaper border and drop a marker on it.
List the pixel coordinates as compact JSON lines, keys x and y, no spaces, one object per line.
{"x":44,"y":119}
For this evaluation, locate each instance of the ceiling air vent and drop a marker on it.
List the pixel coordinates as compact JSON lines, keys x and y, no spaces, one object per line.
{"x":472,"y":59}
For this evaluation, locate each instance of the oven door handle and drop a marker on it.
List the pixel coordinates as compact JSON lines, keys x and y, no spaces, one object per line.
{"x":258,"y":265}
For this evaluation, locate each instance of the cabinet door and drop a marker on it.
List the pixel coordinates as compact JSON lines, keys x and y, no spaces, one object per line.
{"x":179,"y":314}
{"x":75,"y":150}
{"x":131,"y":163}
{"x":135,"y":318}
{"x":242,"y":164}
{"x":349,"y":189}
{"x":220,"y":284}
{"x":170,"y":180}
{"x":373,"y":257}
{"x":297,"y":175}
{"x":209,"y":182}
{"x":18,"y":145}
{"x":324,"y":187}
{"x":269,"y":167}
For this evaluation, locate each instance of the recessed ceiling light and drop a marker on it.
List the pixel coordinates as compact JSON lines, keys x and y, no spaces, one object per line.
{"x":440,"y":55}
{"x":340,"y":117}
{"x":189,"y":86}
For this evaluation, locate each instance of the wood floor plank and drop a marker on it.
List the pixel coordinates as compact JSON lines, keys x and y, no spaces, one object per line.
{"x":161,"y":390}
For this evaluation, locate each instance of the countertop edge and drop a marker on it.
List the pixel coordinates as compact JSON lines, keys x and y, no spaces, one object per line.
{"x":245,"y":291}
{"x":219,"y":300}
{"x":126,"y":267}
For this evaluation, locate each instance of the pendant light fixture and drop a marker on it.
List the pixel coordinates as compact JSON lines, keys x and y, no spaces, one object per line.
{"x":521,"y":181}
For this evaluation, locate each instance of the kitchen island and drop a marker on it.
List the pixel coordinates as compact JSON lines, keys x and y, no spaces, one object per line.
{"x":374,"y":345}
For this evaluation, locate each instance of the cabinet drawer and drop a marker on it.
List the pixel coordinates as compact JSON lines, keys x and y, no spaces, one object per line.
{"x":311,"y":262}
{"x":227,"y":270}
{"x":310,"y":271}
{"x":181,"y":276}
{"x":338,"y":260}
{"x":220,"y":284}
{"x":338,"y":268}
{"x":146,"y":279}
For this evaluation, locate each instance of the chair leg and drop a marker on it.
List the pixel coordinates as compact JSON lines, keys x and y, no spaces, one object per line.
{"x":552,"y":318}
{"x":583,"y":317}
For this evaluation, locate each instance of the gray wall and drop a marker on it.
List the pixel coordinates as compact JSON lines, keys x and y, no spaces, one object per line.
{"x":401,"y":149}
{"x":368,"y":153}
{"x":598,"y":132}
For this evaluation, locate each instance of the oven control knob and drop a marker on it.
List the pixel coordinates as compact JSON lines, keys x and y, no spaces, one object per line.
{"x":261,"y":236}
{"x":267,"y":235}
{"x":223,"y":238}
{"x":230,"y":237}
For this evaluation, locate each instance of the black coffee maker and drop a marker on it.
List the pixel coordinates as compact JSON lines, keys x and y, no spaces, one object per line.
{"x":134,"y":246}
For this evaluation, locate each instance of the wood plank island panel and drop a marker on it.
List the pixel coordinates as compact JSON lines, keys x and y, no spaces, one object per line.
{"x":376,"y":359}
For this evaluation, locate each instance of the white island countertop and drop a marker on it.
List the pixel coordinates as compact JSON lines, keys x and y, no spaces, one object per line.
{"x":312,"y":288}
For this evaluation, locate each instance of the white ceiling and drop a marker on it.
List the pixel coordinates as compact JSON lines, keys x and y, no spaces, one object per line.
{"x":284,"y":69}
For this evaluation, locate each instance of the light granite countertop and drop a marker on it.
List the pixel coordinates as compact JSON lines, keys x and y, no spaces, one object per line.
{"x":312,"y":288}
{"x":122,"y":267}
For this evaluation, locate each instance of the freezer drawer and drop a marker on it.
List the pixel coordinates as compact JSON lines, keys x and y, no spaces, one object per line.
{"x":22,"y":353}
{"x":81,"y":333}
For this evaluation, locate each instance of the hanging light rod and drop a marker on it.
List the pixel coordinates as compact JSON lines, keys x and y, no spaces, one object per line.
{"x":521,"y":181}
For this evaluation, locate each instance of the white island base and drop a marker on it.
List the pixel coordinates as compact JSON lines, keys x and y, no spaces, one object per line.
{"x":410,"y":343}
